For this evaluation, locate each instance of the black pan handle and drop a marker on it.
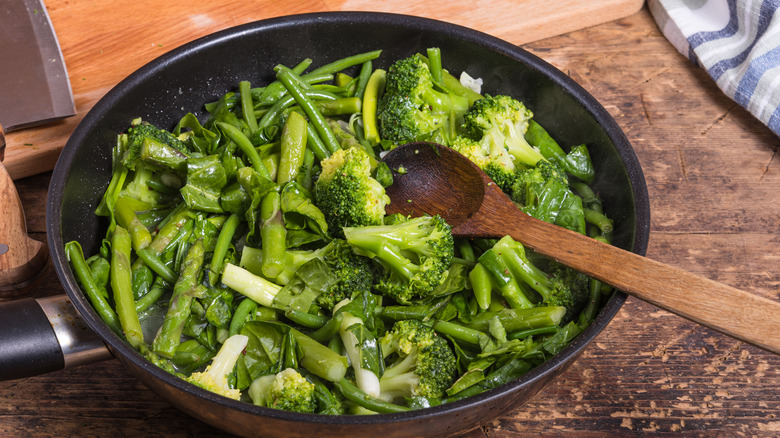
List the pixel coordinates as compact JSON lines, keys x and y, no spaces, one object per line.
{"x":38,"y":336}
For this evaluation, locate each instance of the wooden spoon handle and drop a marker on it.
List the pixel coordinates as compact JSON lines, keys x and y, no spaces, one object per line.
{"x":751,"y":318}
{"x":22,"y":259}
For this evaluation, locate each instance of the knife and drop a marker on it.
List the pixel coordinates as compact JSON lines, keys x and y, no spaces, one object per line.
{"x":34,"y":89}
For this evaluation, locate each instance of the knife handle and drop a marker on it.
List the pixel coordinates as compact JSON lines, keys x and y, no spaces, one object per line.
{"x":22,"y":260}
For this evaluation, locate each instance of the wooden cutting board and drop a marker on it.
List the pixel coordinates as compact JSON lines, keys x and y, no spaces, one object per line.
{"x":104,"y":41}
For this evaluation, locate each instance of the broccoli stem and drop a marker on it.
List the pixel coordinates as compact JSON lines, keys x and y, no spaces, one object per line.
{"x":121,"y":284}
{"x":256,"y":288}
{"x":221,"y":247}
{"x":374,"y":87}
{"x":293,"y":147}
{"x":273,"y":235}
{"x":84,"y":276}
{"x":247,"y":107}
{"x":169,"y":336}
{"x":285,"y":76}
{"x":246,"y":146}
{"x":355,"y":395}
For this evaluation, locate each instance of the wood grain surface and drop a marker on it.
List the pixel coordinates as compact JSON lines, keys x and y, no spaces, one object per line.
{"x":104,"y":41}
{"x":712,"y":175}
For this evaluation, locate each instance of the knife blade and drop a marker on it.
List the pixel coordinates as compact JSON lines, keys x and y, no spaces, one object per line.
{"x":34,"y":85}
{"x":34,"y":89}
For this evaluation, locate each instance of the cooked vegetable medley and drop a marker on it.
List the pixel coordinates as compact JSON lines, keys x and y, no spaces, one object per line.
{"x":248,"y":251}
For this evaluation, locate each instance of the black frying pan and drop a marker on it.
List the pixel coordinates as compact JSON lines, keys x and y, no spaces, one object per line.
{"x":199,"y":72}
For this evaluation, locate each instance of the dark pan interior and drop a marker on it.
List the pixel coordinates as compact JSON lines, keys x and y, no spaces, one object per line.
{"x":199,"y":72}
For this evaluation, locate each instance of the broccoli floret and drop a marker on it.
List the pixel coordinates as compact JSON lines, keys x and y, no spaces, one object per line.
{"x":527,"y":187}
{"x":152,"y":145}
{"x":562,"y":286}
{"x":543,"y":192}
{"x":412,"y":110}
{"x":492,"y":158}
{"x":347,"y":193}
{"x":287,"y":390}
{"x":414,"y":254}
{"x":214,"y":378}
{"x":501,"y":122}
{"x":423,"y":362}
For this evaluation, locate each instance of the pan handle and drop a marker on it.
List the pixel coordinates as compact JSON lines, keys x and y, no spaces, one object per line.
{"x":38,"y":336}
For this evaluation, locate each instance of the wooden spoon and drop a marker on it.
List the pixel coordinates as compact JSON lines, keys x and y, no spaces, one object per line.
{"x":22,"y":260}
{"x":437,"y":180}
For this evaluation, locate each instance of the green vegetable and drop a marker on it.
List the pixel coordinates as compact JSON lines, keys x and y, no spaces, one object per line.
{"x":258,"y":241}
{"x":414,"y":255}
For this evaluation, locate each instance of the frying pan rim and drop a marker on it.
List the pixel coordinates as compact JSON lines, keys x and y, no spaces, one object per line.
{"x":119,"y":347}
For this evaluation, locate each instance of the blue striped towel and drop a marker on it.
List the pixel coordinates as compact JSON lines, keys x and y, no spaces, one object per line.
{"x":736,"y":41}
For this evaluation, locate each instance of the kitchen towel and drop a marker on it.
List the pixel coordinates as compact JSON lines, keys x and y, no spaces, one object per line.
{"x":736,"y":41}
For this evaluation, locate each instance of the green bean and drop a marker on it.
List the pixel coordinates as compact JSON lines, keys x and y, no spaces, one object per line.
{"x":600,"y":220}
{"x":158,"y":290}
{"x":345,"y":63}
{"x":370,"y":100}
{"x":365,"y":74}
{"x":156,"y":264}
{"x":101,"y":271}
{"x":355,"y":395}
{"x":126,"y":218}
{"x":223,"y":244}
{"x":307,"y":320}
{"x":275,"y":89}
{"x":275,"y":112}
{"x":315,"y":117}
{"x":434,"y":62}
{"x":246,"y":147}
{"x":315,"y":144}
{"x":459,"y":332}
{"x":158,"y":186}
{"x":244,"y":309}
{"x":121,"y":284}
{"x":247,"y":107}
{"x":84,"y":276}
{"x":293,"y":148}
{"x":481,"y":285}
{"x":184,"y":291}
{"x":273,"y":235}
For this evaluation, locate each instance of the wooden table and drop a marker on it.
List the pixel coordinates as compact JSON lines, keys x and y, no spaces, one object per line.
{"x":712,"y":176}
